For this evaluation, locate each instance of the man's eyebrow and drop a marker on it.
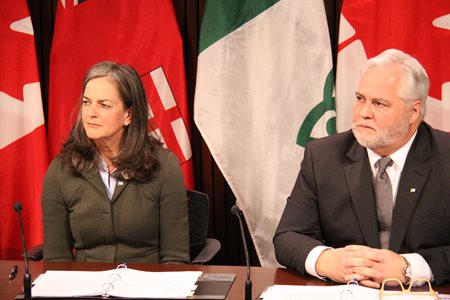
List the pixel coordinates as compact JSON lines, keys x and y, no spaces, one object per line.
{"x":359,"y":94}
{"x":373,"y":99}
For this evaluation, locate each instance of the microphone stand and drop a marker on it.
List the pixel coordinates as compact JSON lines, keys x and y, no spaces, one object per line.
{"x":235,"y":210}
{"x":27,"y":276}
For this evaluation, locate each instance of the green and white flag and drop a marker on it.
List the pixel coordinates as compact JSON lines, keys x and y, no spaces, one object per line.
{"x":264,"y":89}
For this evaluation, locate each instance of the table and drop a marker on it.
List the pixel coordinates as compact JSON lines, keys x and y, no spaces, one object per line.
{"x":262,"y":277}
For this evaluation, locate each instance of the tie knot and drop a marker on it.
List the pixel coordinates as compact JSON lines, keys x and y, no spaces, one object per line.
{"x":383,"y":163}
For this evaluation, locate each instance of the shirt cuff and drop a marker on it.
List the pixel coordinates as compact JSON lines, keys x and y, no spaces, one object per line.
{"x":419,"y":268}
{"x":311,"y":260}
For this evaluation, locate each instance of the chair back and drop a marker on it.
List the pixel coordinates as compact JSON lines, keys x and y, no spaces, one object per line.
{"x":198,"y":215}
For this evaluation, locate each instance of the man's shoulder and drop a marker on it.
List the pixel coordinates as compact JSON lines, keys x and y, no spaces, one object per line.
{"x":437,"y":137}
{"x":437,"y":133}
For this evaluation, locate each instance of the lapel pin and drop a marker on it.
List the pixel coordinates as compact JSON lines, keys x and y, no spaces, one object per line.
{"x":120,"y":183}
{"x":412,"y":190}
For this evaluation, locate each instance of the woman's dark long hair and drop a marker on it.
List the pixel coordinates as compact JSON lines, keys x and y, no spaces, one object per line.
{"x":136,"y":160}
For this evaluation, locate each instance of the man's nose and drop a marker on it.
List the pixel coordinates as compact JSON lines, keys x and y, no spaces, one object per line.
{"x":366,"y":110}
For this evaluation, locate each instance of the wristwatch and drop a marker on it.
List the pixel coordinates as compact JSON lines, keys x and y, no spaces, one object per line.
{"x":406,"y":272}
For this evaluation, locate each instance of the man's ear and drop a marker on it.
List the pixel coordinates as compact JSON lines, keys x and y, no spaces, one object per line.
{"x":414,"y":113}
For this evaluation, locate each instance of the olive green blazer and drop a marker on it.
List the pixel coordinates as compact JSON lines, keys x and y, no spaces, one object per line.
{"x":143,"y":222}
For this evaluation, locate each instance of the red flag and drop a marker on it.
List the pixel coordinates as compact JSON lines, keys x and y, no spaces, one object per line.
{"x":143,"y":34}
{"x":23,"y":148}
{"x":419,"y":28}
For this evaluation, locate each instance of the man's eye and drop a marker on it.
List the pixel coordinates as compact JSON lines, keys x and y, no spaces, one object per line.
{"x":380,"y":105}
{"x":105,"y":105}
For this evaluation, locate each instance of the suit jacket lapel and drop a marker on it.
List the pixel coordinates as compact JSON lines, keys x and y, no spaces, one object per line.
{"x":93,"y":176}
{"x":120,"y":186}
{"x":359,"y":180}
{"x":412,"y":180}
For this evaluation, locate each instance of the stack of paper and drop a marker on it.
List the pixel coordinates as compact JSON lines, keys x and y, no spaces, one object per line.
{"x":339,"y":292}
{"x":124,"y":282}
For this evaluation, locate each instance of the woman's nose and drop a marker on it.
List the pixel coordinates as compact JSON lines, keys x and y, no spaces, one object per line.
{"x":92,"y":111}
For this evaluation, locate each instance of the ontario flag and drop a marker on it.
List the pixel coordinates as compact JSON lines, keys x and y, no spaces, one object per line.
{"x":419,"y":28}
{"x":23,"y":147}
{"x":264,"y":89}
{"x":143,"y":34}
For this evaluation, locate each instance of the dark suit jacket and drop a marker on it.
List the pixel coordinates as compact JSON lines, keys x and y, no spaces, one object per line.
{"x":333,"y":202}
{"x":144,"y":222}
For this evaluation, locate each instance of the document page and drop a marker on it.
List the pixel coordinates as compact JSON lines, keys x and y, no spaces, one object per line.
{"x":342,"y":292}
{"x":70,"y":283}
{"x":126,"y":283}
{"x":339,"y":292}
{"x":161,"y":285}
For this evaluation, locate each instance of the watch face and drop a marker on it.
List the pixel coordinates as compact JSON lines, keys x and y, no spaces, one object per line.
{"x":407,"y":272}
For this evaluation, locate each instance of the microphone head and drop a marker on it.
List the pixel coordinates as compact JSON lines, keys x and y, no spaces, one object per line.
{"x":18,"y":206}
{"x":235,"y":210}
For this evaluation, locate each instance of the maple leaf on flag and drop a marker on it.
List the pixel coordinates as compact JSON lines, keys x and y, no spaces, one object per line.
{"x":23,"y":147}
{"x":419,"y":28}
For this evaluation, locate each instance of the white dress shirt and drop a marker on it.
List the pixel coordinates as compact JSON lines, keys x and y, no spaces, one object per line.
{"x":109,"y":180}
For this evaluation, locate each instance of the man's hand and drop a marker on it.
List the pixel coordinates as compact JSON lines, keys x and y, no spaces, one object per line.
{"x":332,"y":263}
{"x":379,"y":264}
{"x":367,"y":265}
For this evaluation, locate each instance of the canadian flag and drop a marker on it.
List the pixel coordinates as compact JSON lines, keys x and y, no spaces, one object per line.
{"x":23,"y":148}
{"x":419,"y":28}
{"x":141,"y":33}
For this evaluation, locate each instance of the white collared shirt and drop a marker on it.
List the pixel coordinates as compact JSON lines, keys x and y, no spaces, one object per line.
{"x":108,"y":179}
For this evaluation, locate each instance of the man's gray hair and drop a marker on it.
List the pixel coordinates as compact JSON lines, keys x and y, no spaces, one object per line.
{"x":415,"y":82}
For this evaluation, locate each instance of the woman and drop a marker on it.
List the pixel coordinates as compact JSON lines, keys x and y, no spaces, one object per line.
{"x":114,"y":193}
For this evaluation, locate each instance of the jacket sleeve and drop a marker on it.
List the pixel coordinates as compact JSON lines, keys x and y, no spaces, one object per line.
{"x":299,"y":230}
{"x":58,"y":241}
{"x":173,"y":213}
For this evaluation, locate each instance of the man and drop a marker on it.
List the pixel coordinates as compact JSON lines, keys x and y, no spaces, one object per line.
{"x":339,"y":222}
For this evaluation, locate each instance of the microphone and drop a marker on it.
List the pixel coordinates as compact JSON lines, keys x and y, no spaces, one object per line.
{"x":235,"y":210}
{"x":27,"y":276}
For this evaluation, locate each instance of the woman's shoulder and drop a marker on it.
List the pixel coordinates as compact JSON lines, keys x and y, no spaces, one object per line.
{"x":56,"y":164}
{"x":56,"y":171}
{"x":165,"y":155}
{"x":58,"y":167}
